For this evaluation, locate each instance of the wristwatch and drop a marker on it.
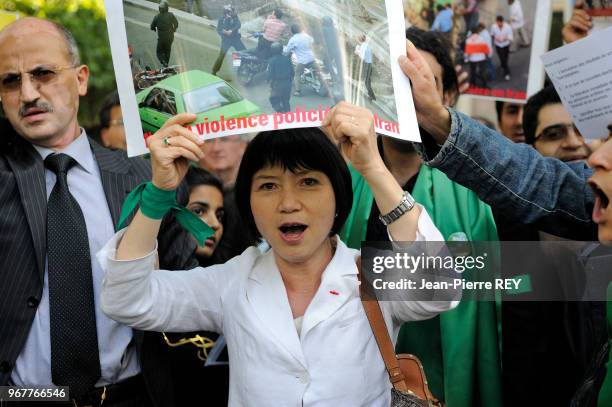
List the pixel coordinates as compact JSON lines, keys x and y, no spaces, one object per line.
{"x":405,"y":205}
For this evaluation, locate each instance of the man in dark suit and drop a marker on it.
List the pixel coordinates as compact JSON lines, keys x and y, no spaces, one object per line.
{"x":60,"y":200}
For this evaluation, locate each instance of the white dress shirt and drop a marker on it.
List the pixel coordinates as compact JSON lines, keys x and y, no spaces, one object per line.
{"x":118,"y":360}
{"x":502,"y":37}
{"x":334,"y":361}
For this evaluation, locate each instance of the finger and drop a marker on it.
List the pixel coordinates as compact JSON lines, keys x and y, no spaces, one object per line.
{"x":328,"y":117}
{"x":180,"y":119}
{"x":582,"y":14}
{"x":181,"y":131}
{"x":412,"y":63}
{"x":581,"y":17}
{"x":176,"y":131}
{"x":350,"y":109}
{"x":187,"y":145}
{"x":580,"y":26}
{"x":415,"y":56}
{"x":348,"y":132}
{"x":347,"y":121}
{"x":177,"y":152}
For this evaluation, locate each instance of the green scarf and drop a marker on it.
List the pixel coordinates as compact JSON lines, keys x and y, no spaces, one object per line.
{"x":460,"y":348}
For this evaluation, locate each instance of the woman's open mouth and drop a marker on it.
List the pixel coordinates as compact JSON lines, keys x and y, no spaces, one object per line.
{"x":292,"y":232}
{"x":601,"y":202}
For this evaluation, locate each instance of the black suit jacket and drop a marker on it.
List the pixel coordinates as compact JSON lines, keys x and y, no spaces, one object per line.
{"x":23,"y":205}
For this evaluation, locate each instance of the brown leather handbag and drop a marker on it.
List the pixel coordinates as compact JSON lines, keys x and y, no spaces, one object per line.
{"x":410,"y":388}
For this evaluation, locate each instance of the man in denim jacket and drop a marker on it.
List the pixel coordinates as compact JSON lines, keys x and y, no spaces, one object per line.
{"x":514,"y":178}
{"x":547,"y":193}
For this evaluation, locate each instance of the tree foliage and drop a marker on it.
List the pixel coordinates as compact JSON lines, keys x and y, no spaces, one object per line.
{"x":86,"y":20}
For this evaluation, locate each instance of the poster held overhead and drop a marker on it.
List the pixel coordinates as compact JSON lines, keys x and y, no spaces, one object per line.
{"x":497,"y":42}
{"x":264,"y":65}
{"x":582,"y":74}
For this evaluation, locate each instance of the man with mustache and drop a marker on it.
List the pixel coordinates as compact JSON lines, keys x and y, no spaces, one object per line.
{"x":61,"y":195}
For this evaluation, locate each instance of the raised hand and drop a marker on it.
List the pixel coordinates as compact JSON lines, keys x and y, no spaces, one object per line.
{"x":352,"y":128}
{"x":578,"y":26}
{"x":172,"y":148}
{"x":431,"y":114}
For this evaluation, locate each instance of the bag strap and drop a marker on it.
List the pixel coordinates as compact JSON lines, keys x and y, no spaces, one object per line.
{"x":379,"y":328}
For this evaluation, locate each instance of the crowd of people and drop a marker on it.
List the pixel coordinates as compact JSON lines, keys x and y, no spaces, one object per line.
{"x":264,"y":307}
{"x":481,"y":42}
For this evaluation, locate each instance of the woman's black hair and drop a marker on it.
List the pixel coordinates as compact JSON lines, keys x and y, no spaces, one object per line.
{"x":294,"y":149}
{"x":198,"y":176}
{"x":223,"y":252}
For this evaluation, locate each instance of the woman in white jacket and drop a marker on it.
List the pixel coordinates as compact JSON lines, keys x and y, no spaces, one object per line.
{"x":296,"y":331}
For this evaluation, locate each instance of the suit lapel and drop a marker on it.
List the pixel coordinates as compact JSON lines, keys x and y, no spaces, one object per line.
{"x":29,"y":170}
{"x":268,"y":297}
{"x":338,"y":285}
{"x":116,"y":178}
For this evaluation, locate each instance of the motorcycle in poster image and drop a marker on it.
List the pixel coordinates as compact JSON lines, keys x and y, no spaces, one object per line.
{"x":315,"y":78}
{"x":248,"y":63}
{"x":150,"y":77}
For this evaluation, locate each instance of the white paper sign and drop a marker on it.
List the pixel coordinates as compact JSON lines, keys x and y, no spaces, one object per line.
{"x":354,"y":47}
{"x":582,"y":74}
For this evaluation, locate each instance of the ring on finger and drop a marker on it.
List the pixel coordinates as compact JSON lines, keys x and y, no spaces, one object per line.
{"x":166,"y":141}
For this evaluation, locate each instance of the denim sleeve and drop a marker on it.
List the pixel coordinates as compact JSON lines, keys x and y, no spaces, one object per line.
{"x":515,"y":179}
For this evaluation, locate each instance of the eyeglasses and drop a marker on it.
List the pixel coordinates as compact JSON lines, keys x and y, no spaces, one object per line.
{"x":116,"y":122}
{"x":557,"y":132}
{"x":39,"y":76}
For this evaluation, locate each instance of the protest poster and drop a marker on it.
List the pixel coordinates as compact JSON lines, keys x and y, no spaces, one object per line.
{"x":582,"y":74}
{"x":228,"y":69}
{"x":507,"y":68}
{"x":599,"y":10}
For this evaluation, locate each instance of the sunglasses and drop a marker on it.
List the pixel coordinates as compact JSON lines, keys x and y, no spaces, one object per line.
{"x":39,"y":76}
{"x":557,"y":132}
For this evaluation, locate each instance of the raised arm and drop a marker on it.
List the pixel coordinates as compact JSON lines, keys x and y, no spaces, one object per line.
{"x":172,"y":148}
{"x":514,"y":178}
{"x":352,"y":127}
{"x":133,"y":293}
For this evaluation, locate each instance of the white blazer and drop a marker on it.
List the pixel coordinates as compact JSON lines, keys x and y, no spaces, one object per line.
{"x":334,"y":362}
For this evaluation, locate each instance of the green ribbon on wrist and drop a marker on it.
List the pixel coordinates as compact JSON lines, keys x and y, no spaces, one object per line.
{"x":155,"y":203}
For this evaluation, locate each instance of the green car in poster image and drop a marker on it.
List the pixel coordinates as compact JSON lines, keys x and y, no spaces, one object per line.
{"x":197,"y":92}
